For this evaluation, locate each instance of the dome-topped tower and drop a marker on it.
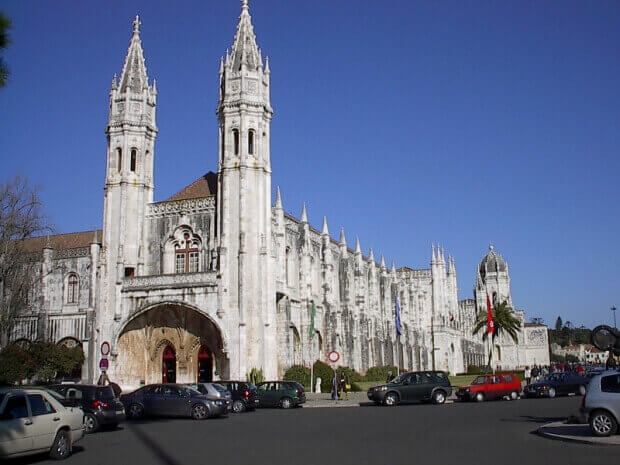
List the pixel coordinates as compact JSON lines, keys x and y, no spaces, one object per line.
{"x":492,"y":278}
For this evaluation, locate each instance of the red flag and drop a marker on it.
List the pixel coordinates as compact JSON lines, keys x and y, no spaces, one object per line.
{"x":490,"y":321}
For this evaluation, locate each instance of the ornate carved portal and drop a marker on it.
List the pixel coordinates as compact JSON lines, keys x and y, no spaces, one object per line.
{"x":170,"y":341}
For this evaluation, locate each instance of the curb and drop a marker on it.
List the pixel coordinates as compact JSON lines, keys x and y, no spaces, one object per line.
{"x":554,"y":431}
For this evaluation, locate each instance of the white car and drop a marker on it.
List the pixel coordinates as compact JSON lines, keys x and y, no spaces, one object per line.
{"x":33,"y":421}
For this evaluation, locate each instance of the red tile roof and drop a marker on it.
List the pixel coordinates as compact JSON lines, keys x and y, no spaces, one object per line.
{"x":204,"y":186}
{"x":61,"y":241}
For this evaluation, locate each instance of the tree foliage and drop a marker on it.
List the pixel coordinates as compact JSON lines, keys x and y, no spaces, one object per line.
{"x":21,"y":217}
{"x":558,"y":324}
{"x":506,"y":322}
{"x":5,"y":40}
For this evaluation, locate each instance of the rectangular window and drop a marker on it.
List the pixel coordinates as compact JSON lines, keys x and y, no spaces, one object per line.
{"x":15,"y":408}
{"x":129,"y":272}
{"x":611,"y":383}
{"x":193,"y":262}
{"x":39,"y":405}
{"x":180,"y":263}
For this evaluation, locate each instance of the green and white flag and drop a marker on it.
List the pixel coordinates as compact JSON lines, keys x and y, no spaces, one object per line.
{"x":312,"y":314}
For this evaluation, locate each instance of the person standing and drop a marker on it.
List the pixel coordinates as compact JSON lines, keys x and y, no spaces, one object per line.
{"x":535,"y":373}
{"x":390,"y":377}
{"x":335,"y":387}
{"x":527,"y":374}
{"x":611,"y":361}
{"x":344,"y":385}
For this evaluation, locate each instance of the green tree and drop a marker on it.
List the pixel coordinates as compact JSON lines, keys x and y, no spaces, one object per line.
{"x":5,"y":25}
{"x":559,"y":324}
{"x":16,"y":365}
{"x":506,"y":322}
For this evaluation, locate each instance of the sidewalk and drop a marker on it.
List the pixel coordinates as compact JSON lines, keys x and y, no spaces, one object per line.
{"x":323,"y":400}
{"x":575,"y":433}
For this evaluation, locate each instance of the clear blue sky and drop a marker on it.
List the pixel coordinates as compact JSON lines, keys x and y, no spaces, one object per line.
{"x":406,"y":122}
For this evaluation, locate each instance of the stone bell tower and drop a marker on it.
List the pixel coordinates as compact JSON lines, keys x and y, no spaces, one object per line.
{"x":131,"y":134}
{"x":244,"y":203}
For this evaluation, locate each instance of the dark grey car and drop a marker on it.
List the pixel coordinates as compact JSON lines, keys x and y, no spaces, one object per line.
{"x":171,"y":400}
{"x":213,"y":391}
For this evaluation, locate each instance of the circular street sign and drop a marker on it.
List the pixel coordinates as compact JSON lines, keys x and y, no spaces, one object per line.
{"x":105,"y":348}
{"x":104,"y":364}
{"x":333,"y":356}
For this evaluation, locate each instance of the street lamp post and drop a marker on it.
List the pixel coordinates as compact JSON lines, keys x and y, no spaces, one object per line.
{"x":613,"y":310}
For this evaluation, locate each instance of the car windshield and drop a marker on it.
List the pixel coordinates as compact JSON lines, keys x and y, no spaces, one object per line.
{"x":479,"y":380}
{"x":104,"y":393}
{"x":52,"y":393}
{"x":399,"y":379}
{"x":219,"y":387}
{"x":193,"y":391}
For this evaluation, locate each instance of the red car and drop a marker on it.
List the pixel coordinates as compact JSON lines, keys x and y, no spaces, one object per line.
{"x":487,"y":387}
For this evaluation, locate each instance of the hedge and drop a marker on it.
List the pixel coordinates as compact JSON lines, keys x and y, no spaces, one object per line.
{"x":379,"y":373}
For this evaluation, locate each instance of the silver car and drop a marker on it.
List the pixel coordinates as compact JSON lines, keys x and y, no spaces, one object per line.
{"x":213,"y":391}
{"x":33,"y":420}
{"x":600,"y":406}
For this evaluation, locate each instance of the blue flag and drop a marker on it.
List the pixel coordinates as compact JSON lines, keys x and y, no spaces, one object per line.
{"x":398,"y":323}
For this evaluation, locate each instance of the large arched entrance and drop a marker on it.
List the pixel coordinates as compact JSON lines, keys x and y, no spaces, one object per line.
{"x":169,"y":366}
{"x":170,"y":343}
{"x":205,"y":365}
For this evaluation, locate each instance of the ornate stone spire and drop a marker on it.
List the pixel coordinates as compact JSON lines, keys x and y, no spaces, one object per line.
{"x":325,"y":231}
{"x":343,"y":239}
{"x":133,"y":76}
{"x":278,"y":198}
{"x":358,"y":247}
{"x":304,"y":214}
{"x":371,"y":256}
{"x":244,"y":50}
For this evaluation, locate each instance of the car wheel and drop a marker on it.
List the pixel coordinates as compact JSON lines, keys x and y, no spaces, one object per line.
{"x":391,"y":399}
{"x":582,"y":390}
{"x":603,"y":423}
{"x":238,"y":407}
{"x":479,"y":397}
{"x":514,"y":395}
{"x":200,"y":412}
{"x":439,"y":397}
{"x":286,"y":403}
{"x":90,"y":423}
{"x":61,"y":448}
{"x":135,"y":411}
{"x":551,"y":393}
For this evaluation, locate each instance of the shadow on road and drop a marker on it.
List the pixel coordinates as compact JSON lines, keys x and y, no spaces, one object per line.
{"x":32,"y":459}
{"x":157,"y":450}
{"x":534,"y":419}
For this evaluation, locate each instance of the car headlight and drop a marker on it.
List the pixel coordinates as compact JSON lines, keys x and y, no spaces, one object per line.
{"x":382,"y":388}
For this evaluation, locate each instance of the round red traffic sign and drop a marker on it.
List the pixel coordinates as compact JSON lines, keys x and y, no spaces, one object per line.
{"x":333,"y":356}
{"x":104,"y":364}
{"x":105,"y":349}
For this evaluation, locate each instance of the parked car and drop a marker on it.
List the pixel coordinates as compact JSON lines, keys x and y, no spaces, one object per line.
{"x":33,"y":421}
{"x":557,"y":384}
{"x":171,"y":400}
{"x":213,"y":391}
{"x":489,"y":387}
{"x":101,"y":406}
{"x":416,"y":386}
{"x":600,"y":407}
{"x":244,"y":395}
{"x":283,"y":394}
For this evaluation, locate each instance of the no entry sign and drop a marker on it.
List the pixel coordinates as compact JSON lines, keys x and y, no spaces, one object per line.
{"x":104,"y":364}
{"x":333,"y":356}
{"x":105,"y":349}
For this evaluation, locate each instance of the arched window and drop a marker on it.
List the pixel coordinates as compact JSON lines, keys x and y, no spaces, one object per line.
{"x":288,"y":266}
{"x":73,"y":289}
{"x":119,"y":153}
{"x":236,"y":140}
{"x":251,"y":142}
{"x":187,"y":255}
{"x":134,"y":156}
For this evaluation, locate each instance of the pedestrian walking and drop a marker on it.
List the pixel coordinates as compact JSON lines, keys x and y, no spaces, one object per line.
{"x":611,"y":362}
{"x":535,"y":373}
{"x":390,"y":377}
{"x":335,"y":387}
{"x":344,"y":385}
{"x":527,"y":374}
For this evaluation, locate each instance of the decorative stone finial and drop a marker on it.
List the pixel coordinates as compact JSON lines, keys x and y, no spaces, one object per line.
{"x":304,"y":214}
{"x":278,"y":198}
{"x":136,"y":25}
{"x":325,"y":231}
{"x":491,"y":247}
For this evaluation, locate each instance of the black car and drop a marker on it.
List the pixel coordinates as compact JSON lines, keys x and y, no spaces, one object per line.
{"x":416,"y":386}
{"x":101,"y":406}
{"x":171,"y":400}
{"x":244,"y":395}
{"x":558,"y":384}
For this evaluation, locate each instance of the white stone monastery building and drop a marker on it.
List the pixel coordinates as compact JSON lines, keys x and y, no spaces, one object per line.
{"x":218,"y":279}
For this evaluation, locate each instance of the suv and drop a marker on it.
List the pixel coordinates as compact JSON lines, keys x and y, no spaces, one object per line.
{"x":488,"y":387}
{"x":601,"y":405}
{"x":284,"y":394}
{"x":415,"y":386}
{"x":243,"y":394}
{"x":100,"y":404}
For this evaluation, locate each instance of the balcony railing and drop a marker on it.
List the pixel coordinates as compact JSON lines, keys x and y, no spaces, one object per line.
{"x":170,"y":281}
{"x":67,"y":325}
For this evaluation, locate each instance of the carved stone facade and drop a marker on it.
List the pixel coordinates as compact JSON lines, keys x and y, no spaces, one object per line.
{"x":218,"y":280}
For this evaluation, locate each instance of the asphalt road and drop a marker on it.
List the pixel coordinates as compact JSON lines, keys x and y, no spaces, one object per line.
{"x":499,"y":432}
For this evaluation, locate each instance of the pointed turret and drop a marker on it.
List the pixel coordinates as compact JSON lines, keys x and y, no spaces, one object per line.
{"x":133,"y":76}
{"x":343,"y":239}
{"x":278,"y":198}
{"x":244,"y":50}
{"x":358,"y":247}
{"x":325,"y":230}
{"x":304,"y":213}
{"x":433,"y":256}
{"x":383,"y":267}
{"x":393,"y":270}
{"x":371,"y":255}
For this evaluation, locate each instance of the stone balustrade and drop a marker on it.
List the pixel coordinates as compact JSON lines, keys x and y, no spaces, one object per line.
{"x":170,"y":281}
